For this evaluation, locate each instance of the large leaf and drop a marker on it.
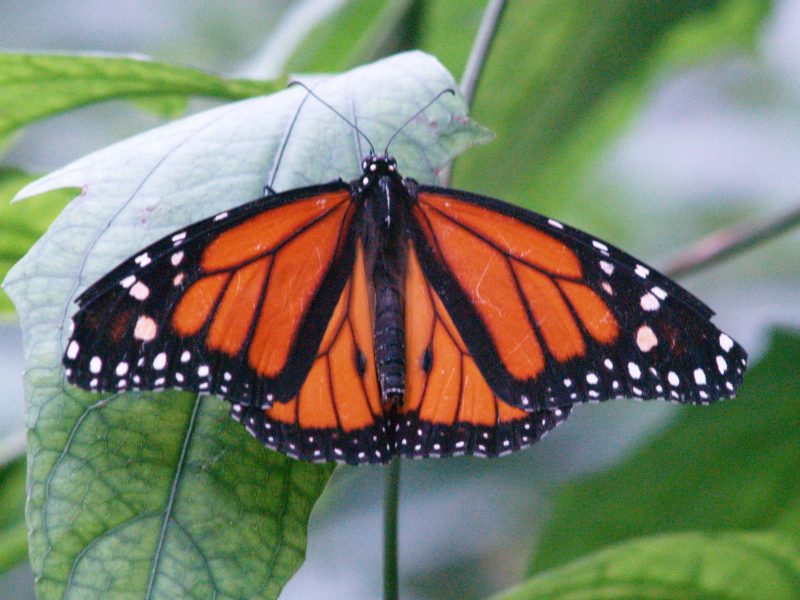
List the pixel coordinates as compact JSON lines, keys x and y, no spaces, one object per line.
{"x":63,"y":82}
{"x":162,"y":495}
{"x":359,"y":31}
{"x":728,"y":467}
{"x":564,"y":77}
{"x":22,"y":224}
{"x":733,"y":566}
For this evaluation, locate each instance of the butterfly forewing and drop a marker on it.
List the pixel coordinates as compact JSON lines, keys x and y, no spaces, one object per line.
{"x":222,"y":306}
{"x":553,"y":316}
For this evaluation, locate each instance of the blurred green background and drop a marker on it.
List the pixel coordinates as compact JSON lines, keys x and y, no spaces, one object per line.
{"x":691,"y":139}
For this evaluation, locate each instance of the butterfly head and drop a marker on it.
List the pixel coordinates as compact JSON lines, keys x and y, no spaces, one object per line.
{"x":375,"y":165}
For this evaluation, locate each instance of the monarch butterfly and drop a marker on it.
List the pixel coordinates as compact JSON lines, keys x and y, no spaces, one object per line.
{"x":357,"y":321}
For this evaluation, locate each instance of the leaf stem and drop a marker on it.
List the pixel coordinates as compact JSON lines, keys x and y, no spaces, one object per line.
{"x":728,"y":242}
{"x":390,"y":504}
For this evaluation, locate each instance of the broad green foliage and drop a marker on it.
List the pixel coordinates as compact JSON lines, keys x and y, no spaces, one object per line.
{"x":734,"y":566}
{"x":13,"y":531}
{"x":717,"y":493}
{"x":61,"y":83}
{"x":163,"y":495}
{"x":22,"y":224}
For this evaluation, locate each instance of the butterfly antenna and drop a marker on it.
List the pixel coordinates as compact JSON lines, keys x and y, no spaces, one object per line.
{"x":416,"y":114}
{"x":341,"y":116}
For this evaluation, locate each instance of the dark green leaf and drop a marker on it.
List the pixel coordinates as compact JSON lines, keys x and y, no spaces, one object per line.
{"x":731,"y":466}
{"x":564,"y":77}
{"x":13,"y":531}
{"x":22,"y":224}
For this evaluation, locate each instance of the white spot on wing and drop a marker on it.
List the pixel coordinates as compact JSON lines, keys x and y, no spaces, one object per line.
{"x":607,"y":267}
{"x":139,"y":291}
{"x":145,"y":329}
{"x":160,"y":361}
{"x":634,"y":370}
{"x":143,"y":259}
{"x":649,"y":302}
{"x":646,"y":339}
{"x":73,"y":349}
{"x":725,"y":342}
{"x":122,"y":369}
{"x":642,"y":271}
{"x":722,"y":365}
{"x":555,"y":223}
{"x":128,"y":281}
{"x":96,"y":364}
{"x":699,"y":377}
{"x":176,"y":258}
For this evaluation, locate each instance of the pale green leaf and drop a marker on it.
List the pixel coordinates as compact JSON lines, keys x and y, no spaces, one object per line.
{"x":688,"y":566}
{"x":163,"y":495}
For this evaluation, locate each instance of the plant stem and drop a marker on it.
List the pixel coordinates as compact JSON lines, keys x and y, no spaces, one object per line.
{"x":390,"y":503}
{"x":728,"y":242}
{"x":475,"y":63}
{"x":469,"y":83}
{"x":480,"y":49}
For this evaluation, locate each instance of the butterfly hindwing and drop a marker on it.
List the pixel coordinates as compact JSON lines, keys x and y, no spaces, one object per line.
{"x":553,"y":316}
{"x":449,"y":409}
{"x":235,"y":304}
{"x":337,"y":415}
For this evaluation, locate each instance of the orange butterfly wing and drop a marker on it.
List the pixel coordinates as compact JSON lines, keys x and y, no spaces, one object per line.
{"x":236,"y":305}
{"x":449,"y":409}
{"x":552,"y":316}
{"x":337,"y":415}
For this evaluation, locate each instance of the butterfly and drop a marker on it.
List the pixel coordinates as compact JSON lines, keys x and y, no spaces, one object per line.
{"x":358,"y":321}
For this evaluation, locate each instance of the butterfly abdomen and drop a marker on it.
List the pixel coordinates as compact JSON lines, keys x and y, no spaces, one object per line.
{"x":389,"y":337}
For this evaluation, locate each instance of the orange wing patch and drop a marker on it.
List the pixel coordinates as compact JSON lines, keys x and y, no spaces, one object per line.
{"x":449,"y":408}
{"x":524,"y":283}
{"x":341,"y":391}
{"x":258,"y":279}
{"x":443,"y":384}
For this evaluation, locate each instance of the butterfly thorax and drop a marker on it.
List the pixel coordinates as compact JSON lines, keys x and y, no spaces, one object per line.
{"x":385,"y":202}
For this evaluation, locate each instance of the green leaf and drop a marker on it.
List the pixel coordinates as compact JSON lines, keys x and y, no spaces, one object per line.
{"x":59,"y":83}
{"x":731,"y":466}
{"x":143,"y":494}
{"x":22,"y":224}
{"x":360,"y":31}
{"x":734,"y":566}
{"x":564,"y":78}
{"x":13,"y":532}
